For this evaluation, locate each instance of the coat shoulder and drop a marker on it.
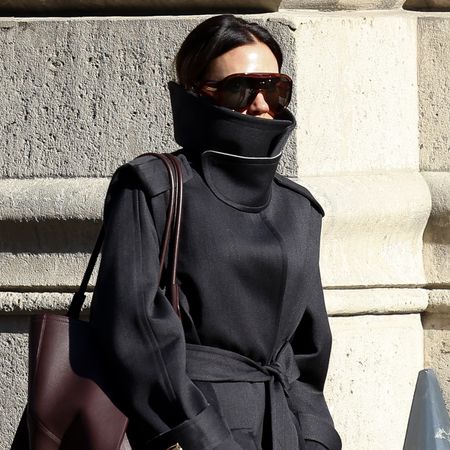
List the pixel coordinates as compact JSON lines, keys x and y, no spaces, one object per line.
{"x":150,"y":173}
{"x":299,"y":189}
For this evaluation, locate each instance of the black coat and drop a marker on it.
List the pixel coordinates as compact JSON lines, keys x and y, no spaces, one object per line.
{"x":248,"y":370}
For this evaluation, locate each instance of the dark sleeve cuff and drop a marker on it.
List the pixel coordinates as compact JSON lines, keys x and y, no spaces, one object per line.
{"x":316,"y":429}
{"x":205,"y":431}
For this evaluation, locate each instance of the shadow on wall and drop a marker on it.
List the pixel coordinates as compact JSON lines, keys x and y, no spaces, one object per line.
{"x":50,"y":236}
{"x":427,"y":5}
{"x":134,"y":7}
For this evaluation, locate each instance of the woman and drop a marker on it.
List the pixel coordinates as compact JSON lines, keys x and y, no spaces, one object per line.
{"x":245,"y":369}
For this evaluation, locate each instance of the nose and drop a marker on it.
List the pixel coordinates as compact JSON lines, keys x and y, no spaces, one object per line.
{"x":258,"y":106}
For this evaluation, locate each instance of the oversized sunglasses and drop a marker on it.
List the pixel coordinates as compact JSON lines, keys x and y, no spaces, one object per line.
{"x":239,"y":90}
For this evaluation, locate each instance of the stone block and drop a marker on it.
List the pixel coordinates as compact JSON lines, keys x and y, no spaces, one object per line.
{"x":13,"y":374}
{"x":433,"y":37}
{"x":83,"y":96}
{"x":356,"y":92}
{"x":437,"y":348}
{"x":373,"y":371}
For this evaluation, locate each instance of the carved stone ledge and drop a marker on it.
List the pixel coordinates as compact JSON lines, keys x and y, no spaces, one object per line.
{"x":436,"y":238}
{"x":339,"y":302}
{"x":41,"y":199}
{"x":373,"y":228}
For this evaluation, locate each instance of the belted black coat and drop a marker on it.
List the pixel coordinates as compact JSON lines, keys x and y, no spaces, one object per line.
{"x":246,"y":368}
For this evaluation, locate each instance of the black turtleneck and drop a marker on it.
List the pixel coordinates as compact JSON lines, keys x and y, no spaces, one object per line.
{"x":200,"y":125}
{"x":238,"y":154}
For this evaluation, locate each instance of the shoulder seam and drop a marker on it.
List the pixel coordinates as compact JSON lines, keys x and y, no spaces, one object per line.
{"x":152,"y":174}
{"x":148,"y":157}
{"x":295,"y":187}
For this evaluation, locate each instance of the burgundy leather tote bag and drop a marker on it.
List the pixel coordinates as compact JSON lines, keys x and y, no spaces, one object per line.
{"x":69,"y":406}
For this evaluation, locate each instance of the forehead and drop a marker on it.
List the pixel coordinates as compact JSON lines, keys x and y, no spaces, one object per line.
{"x":255,"y":57}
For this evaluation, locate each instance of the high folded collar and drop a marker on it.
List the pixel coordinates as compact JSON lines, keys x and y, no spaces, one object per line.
{"x":237,"y":154}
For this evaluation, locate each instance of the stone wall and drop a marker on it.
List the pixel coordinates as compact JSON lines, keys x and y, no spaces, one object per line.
{"x":83,"y":95}
{"x":434,"y":140}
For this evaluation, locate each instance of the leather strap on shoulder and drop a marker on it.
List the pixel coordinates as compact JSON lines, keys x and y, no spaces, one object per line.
{"x":170,"y":244}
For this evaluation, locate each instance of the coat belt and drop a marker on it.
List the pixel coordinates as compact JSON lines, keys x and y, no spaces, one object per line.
{"x":213,"y":364}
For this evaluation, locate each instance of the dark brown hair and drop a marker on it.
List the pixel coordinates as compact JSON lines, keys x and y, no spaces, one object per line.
{"x":214,"y":37}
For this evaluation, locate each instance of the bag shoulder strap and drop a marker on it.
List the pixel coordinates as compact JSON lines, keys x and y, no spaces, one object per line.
{"x":169,"y":246}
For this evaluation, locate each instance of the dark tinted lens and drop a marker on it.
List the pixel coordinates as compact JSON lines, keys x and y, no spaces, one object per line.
{"x":276,"y":92}
{"x":235,"y":92}
{"x":284,"y":88}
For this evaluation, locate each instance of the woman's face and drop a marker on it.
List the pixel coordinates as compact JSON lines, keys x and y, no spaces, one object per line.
{"x":249,"y":58}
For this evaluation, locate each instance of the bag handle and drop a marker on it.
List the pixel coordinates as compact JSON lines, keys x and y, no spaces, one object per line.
{"x":170,"y":243}
{"x":172,"y":230}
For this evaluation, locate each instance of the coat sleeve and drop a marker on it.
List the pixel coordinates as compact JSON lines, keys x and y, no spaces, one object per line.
{"x":142,"y":338}
{"x":311,"y":344}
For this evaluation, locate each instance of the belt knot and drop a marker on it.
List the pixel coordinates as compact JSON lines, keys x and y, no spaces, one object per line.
{"x":278,"y":372}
